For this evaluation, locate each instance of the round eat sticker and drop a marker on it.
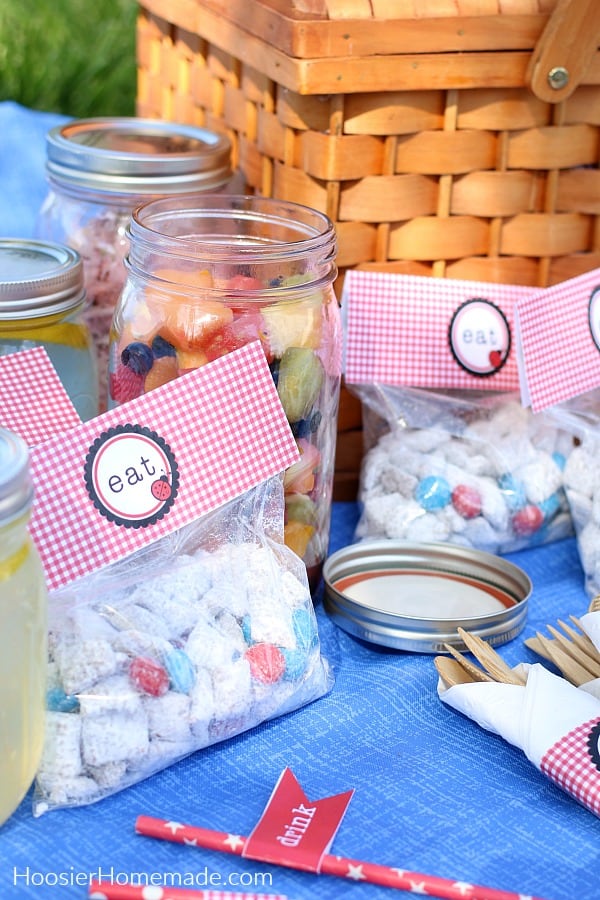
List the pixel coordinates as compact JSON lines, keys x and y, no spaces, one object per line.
{"x":131,"y":475}
{"x":479,"y":337}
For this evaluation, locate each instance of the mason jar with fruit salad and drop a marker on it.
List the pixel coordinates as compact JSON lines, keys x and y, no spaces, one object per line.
{"x":210,"y":273}
{"x":98,"y":171}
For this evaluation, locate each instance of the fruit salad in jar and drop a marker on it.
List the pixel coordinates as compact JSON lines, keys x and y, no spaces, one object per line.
{"x":172,"y":324}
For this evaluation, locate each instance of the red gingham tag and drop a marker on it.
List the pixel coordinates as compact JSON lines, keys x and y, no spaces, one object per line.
{"x":559,"y":338}
{"x":33,"y":401}
{"x":573,"y":763}
{"x":145,"y":469}
{"x":411,"y":330}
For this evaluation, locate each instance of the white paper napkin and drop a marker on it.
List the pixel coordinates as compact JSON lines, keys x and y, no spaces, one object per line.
{"x":590,"y":623}
{"x":555,"y":724}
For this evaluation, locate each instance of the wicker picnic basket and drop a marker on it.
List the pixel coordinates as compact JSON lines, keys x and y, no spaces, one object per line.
{"x":454,"y":138}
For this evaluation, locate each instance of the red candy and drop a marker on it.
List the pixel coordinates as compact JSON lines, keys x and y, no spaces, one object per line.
{"x":466,"y":501}
{"x":148,"y":676}
{"x":527,"y":520}
{"x":267,"y":662}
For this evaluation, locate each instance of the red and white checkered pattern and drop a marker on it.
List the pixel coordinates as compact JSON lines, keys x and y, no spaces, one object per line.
{"x":227,"y":430}
{"x":397,"y":327}
{"x":560,"y":357}
{"x":569,"y":764}
{"x":33,"y":401}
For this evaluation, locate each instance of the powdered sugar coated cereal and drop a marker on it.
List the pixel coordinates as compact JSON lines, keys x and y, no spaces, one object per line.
{"x":485,"y":482}
{"x":170,"y":664}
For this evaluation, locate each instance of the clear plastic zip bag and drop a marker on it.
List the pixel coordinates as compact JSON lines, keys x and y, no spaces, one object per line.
{"x":474,"y":468}
{"x":191,"y":640}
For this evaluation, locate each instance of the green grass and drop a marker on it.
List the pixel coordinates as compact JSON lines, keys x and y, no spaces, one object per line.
{"x":75,"y":57}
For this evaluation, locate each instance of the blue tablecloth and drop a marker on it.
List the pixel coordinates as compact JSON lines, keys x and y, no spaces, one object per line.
{"x":433,"y":792}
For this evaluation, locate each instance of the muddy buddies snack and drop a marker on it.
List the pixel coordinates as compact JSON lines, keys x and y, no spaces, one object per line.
{"x":194,"y":639}
{"x":471,"y":468}
{"x":580,"y":417}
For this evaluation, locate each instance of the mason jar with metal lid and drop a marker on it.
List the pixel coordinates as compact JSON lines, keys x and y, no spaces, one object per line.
{"x":23,"y":630}
{"x":42,"y":302}
{"x":99,"y":170}
{"x":211,"y":273}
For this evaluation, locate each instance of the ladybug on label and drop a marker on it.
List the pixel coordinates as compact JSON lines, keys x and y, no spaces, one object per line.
{"x":495,"y":358}
{"x":161,"y":489}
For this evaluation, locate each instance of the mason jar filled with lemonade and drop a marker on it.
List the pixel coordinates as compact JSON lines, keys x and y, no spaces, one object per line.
{"x":210,"y":273}
{"x":22,"y":630}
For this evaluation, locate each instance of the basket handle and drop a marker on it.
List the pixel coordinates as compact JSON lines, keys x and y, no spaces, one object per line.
{"x":335,"y":9}
{"x":565,"y":49}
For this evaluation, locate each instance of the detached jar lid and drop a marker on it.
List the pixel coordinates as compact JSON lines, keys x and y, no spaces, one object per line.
{"x":413,"y":596}
{"x":38,"y":278}
{"x":137,"y":156}
{"x":16,"y":488}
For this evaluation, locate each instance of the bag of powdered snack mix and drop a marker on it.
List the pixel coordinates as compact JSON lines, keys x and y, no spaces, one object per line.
{"x":178,"y":617}
{"x":564,"y":386}
{"x":451,"y":454}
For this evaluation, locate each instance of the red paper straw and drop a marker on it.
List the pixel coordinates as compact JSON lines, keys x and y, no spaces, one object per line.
{"x":101,"y":890}
{"x":352,"y":869}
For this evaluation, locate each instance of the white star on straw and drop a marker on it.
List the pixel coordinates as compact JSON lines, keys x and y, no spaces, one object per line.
{"x":463,"y":887}
{"x":173,"y":826}
{"x":355,"y":873}
{"x":234,"y":841}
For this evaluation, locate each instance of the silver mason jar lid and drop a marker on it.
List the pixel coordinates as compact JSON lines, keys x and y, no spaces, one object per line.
{"x":137,"y":156}
{"x":414,"y":596}
{"x":16,"y":487}
{"x":38,"y":278}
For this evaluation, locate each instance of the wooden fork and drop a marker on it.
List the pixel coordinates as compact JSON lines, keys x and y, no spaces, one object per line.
{"x":573,"y":653}
{"x":457,"y":669}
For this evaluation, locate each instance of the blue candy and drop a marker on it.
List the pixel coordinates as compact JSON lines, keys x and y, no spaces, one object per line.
{"x":550,"y":506}
{"x":433,"y":492}
{"x":295,"y":663}
{"x":58,"y":701}
{"x":513,"y":490}
{"x":181,"y":671}
{"x":304,"y":630}
{"x":246,"y":626}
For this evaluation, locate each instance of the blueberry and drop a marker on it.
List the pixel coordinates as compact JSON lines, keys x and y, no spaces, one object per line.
{"x":274,"y":367}
{"x":301,"y":429}
{"x":315,"y":420}
{"x":161,"y":348}
{"x":138,"y":357}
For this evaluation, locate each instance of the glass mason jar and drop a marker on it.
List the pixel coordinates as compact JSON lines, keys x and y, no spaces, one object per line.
{"x":42,"y":303}
{"x":211,"y":273}
{"x":23,"y":609}
{"x":99,"y":170}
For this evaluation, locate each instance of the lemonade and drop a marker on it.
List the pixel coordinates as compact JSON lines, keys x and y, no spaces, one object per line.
{"x":22,"y":631}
